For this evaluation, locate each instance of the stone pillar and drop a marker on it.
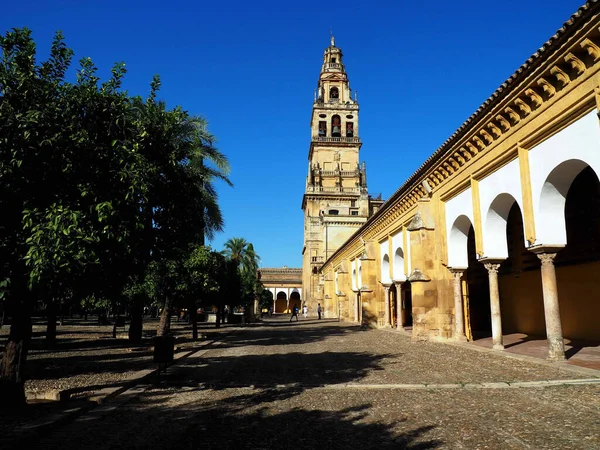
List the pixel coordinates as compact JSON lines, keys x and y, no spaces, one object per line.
{"x":556,"y":346}
{"x":459,"y":318}
{"x":492,"y":268}
{"x":387,"y":306}
{"x":399,"y":305}
{"x":356,"y":306}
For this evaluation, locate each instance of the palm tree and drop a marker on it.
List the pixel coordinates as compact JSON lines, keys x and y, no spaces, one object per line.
{"x":181,"y":164}
{"x":243,"y":254}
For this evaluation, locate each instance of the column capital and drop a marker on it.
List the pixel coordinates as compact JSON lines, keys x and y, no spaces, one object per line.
{"x":386,"y":284}
{"x":555,"y":248}
{"x":546,"y":253}
{"x":491,"y":265}
{"x":457,"y":272}
{"x":399,"y":284}
{"x":547,"y":259}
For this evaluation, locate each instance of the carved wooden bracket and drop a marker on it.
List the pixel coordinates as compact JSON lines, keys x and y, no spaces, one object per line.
{"x":592,"y":49}
{"x":536,"y":98}
{"x":487,"y":136}
{"x":512,"y":115}
{"x":505,"y":124}
{"x":524,"y":107}
{"x":479,"y":143}
{"x":562,"y":76}
{"x":448,"y":168}
{"x":577,"y":64}
{"x":471,"y":148}
{"x":547,"y":87}
{"x":458,"y":159}
{"x":497,"y":132}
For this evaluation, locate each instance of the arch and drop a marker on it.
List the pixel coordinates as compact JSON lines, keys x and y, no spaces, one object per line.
{"x":398,"y":268}
{"x":334,"y":93}
{"x":295,"y":296}
{"x":281,"y":302}
{"x":354,"y":279}
{"x":494,"y":230}
{"x":337,"y":282}
{"x":551,"y":217}
{"x":359,"y":276}
{"x":458,"y":255}
{"x":385,"y":268}
{"x":336,"y":126}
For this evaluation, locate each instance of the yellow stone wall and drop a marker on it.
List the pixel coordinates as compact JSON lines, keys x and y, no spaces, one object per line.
{"x":555,"y":93}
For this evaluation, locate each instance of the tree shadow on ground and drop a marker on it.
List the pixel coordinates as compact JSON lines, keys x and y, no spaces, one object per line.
{"x":269,"y":371}
{"x":232,"y":425}
{"x":283,"y":334}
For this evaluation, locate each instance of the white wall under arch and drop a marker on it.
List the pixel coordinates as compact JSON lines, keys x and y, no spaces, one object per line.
{"x":458,"y":237}
{"x":579,"y":144}
{"x":385,"y":263}
{"x":495,"y":192}
{"x":459,"y":212}
{"x":398,"y":270}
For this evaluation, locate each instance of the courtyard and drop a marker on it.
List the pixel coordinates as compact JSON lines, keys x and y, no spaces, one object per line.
{"x":322,"y":384}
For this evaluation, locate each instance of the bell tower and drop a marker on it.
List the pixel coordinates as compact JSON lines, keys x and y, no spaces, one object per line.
{"x":336,"y":201}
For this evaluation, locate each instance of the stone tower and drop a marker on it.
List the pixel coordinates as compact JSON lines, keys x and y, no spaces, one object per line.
{"x":336,"y":202}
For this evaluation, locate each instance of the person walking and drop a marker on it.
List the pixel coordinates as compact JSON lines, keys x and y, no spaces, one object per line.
{"x":294,"y":313}
{"x":319,"y":311}
{"x":305,"y":311}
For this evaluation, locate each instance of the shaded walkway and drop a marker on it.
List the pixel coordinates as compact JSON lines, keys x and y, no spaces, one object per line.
{"x":578,"y":353}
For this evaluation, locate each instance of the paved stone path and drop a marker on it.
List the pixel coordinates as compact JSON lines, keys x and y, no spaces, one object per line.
{"x":318,"y":384}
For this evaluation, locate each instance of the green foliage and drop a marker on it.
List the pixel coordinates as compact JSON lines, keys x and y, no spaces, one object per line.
{"x":97,"y":189}
{"x":242,"y":254}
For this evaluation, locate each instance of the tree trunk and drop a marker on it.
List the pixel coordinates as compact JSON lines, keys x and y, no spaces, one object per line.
{"x":137,"y":321}
{"x":164,"y":326}
{"x":219,"y":313}
{"x":51,"y":327}
{"x":12,"y":367}
{"x":193,"y":317}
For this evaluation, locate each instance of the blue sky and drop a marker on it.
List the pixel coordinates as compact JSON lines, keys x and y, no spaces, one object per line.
{"x":250,"y":67}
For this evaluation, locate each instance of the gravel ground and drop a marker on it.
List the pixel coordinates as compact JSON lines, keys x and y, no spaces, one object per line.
{"x":259,"y":389}
{"x":87,"y":358}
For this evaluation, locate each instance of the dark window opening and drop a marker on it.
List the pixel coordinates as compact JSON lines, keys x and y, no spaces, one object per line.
{"x":352,"y":203}
{"x":354,"y":213}
{"x":333,"y":60}
{"x":349,"y":129}
{"x":334,"y":93}
{"x":333,"y":212}
{"x":336,"y":126}
{"x":322,"y":128}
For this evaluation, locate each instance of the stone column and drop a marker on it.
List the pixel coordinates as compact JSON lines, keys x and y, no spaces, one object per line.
{"x":556,"y":346}
{"x":399,"y":304}
{"x":492,"y":268}
{"x":387,"y":306}
{"x":355,"y":306}
{"x":459,"y":318}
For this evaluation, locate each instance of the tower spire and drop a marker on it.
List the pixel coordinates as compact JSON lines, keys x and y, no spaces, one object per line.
{"x":332,"y":38}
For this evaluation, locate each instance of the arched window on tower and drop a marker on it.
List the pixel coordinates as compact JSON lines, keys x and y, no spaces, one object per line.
{"x":334,"y":93}
{"x":349,"y":129}
{"x":336,"y":126}
{"x":322,"y":128}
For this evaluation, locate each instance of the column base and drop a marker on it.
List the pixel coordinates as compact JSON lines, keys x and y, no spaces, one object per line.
{"x":498,"y":347}
{"x":556,"y":349}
